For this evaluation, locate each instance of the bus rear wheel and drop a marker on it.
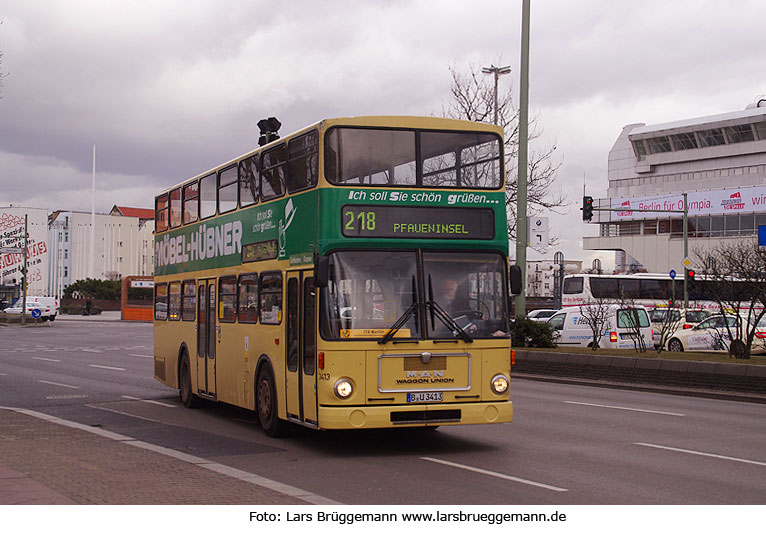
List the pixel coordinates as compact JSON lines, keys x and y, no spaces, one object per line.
{"x":188,"y":398}
{"x":266,"y":404}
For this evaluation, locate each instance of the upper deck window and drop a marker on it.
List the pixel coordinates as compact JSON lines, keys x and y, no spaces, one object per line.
{"x":191,"y":204}
{"x":248,"y":181}
{"x":303,"y":155}
{"x":161,"y":212}
{"x":273,"y":170}
{"x":207,"y":190}
{"x":388,"y":157}
{"x":175,"y":208}
{"x":227,"y":189}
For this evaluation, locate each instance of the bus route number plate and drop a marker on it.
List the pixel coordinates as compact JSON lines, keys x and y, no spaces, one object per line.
{"x":422,"y":397}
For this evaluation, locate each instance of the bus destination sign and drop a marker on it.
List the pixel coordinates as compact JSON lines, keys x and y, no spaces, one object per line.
{"x":422,"y":222}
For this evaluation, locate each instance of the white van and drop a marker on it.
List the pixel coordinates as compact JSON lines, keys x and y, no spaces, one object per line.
{"x":47,"y":301}
{"x":571,"y":327}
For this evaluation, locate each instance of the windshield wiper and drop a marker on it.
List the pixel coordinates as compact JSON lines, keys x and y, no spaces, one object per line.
{"x":399,"y":323}
{"x":448,"y":321}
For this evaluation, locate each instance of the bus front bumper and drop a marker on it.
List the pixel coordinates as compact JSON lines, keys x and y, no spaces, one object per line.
{"x":419,"y":415}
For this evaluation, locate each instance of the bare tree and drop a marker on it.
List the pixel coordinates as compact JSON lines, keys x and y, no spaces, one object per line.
{"x":596,"y":315}
{"x":667,"y":325}
{"x":733,"y":274}
{"x":473,"y":99}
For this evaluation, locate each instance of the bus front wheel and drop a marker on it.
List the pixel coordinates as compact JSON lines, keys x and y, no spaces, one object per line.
{"x":266,"y":404}
{"x":188,"y":398}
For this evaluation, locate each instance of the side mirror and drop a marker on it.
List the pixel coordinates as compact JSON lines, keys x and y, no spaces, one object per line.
{"x":515,"y":277}
{"x":321,"y":270}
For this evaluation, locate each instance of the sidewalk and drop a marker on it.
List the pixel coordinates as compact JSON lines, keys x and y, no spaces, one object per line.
{"x":105,"y":316}
{"x":51,"y":461}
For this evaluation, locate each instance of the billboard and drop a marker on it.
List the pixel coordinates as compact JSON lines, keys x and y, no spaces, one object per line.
{"x":714,"y":202}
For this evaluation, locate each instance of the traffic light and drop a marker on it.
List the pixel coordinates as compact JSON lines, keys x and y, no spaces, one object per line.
{"x":587,"y":208}
{"x":689,"y":274}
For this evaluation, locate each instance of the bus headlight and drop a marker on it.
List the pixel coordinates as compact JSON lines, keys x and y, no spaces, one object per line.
{"x":499,"y":384}
{"x":343,"y":388}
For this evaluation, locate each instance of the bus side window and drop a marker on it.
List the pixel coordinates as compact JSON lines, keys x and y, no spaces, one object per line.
{"x":248,"y":181}
{"x":190,"y":202}
{"x":161,"y":212}
{"x":228,"y":186}
{"x":207,"y":190}
{"x":271,"y":298}
{"x":188,"y":299}
{"x":174,"y":301}
{"x":175,"y":208}
{"x":248,"y":299}
{"x":273,"y":170}
{"x":303,"y":156}
{"x":227,"y":299}
{"x":161,"y":301}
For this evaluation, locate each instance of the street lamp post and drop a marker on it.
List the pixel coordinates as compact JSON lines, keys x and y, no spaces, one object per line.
{"x":497,"y":71}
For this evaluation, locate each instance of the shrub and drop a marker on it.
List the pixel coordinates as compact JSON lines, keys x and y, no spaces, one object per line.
{"x":526,"y":333}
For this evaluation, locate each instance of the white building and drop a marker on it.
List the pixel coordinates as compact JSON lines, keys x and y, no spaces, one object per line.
{"x":540,"y":276}
{"x":718,"y":160}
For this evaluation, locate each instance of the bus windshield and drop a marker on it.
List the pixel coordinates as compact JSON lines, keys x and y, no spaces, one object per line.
{"x":390,"y":157}
{"x":369,"y":291}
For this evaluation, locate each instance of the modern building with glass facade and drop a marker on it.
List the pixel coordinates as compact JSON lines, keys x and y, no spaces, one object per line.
{"x":718,"y":160}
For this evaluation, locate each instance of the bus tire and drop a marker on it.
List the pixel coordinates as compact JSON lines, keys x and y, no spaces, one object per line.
{"x":266,"y":403}
{"x":188,"y":398}
{"x":674,"y":345}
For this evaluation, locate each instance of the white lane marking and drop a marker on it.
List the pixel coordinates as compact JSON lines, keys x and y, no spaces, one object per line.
{"x":627,"y":409}
{"x":694,"y":452}
{"x":495,"y":474}
{"x":155,"y":402}
{"x":57,"y":384}
{"x":91,"y":350}
{"x":46,"y":359}
{"x":108,"y":367}
{"x":235,"y":473}
{"x":1,"y":374}
{"x":140,"y":355}
{"x":121,"y":413}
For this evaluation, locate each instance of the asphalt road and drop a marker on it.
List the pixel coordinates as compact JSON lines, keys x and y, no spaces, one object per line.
{"x":567,"y":444}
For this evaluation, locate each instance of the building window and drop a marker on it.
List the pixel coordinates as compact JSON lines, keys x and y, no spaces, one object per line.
{"x":712,"y":137}
{"x":684,"y":141}
{"x":639,"y":148}
{"x":739,"y":134}
{"x":650,"y":227}
{"x":659,"y":145}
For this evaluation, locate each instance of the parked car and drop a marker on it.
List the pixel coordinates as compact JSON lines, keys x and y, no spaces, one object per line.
{"x":48,"y":301}
{"x":541,"y":315}
{"x":45,"y":312}
{"x":679,"y":319}
{"x":572,"y":328}
{"x":713,"y":335}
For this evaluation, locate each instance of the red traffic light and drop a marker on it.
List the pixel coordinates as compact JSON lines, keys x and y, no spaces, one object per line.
{"x":690,"y":274}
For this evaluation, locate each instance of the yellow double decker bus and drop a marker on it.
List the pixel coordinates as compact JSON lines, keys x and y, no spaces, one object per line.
{"x":353,"y":274}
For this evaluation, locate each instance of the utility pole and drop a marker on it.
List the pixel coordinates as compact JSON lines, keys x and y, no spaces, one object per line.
{"x":24,"y":272}
{"x":521,"y":186}
{"x":497,"y":71}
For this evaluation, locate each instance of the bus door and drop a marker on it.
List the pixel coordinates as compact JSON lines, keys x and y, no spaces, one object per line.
{"x":300,"y":349}
{"x":206,"y":337}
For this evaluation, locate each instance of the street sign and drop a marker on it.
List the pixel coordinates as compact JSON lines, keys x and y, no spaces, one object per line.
{"x":9,"y":250}
{"x":762,"y":236}
{"x":687,"y":263}
{"x":672,"y":274}
{"x":537,"y":229}
{"x":36,"y":313}
{"x":141,"y":284}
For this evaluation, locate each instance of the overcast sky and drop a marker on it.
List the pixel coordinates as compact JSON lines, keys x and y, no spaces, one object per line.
{"x":168,"y":89}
